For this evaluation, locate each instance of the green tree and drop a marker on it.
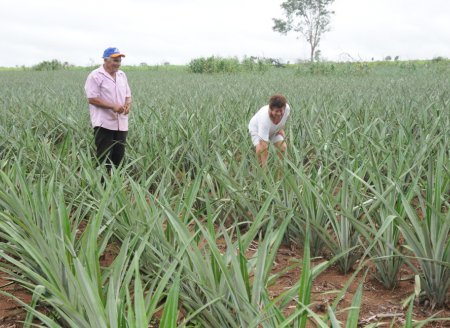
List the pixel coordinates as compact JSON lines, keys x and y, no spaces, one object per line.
{"x":311,"y":18}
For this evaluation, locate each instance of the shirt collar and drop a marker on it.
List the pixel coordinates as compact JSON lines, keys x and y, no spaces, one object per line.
{"x":104,"y":72}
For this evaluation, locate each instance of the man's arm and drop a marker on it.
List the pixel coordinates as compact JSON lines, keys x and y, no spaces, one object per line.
{"x":262,"y":152}
{"x":107,"y":105}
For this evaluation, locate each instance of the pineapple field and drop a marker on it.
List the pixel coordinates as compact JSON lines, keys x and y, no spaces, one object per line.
{"x":350,"y":229}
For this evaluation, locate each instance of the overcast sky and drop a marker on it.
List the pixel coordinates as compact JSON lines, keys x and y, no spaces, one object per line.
{"x":176,"y":31}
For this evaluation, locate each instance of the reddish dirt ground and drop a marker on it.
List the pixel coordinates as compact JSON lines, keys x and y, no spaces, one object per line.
{"x":11,"y":313}
{"x":379,"y":305}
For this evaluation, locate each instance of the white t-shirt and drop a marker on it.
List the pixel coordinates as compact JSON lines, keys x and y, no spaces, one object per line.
{"x":261,"y":126}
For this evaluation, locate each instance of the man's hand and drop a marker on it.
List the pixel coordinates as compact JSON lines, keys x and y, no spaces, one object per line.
{"x":281,"y":133}
{"x":118,"y":109}
{"x":126,"y":108}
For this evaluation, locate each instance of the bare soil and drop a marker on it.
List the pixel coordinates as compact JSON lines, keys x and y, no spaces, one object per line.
{"x":11,"y":312}
{"x":378,"y":305}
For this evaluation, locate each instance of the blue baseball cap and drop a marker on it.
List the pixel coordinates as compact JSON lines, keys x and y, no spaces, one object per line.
{"x":112,"y":52}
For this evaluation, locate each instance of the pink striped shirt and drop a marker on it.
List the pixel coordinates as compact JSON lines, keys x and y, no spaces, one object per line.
{"x":100,"y":84}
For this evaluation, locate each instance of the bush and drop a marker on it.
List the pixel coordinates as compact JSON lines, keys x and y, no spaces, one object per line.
{"x":53,"y":65}
{"x":214,"y":65}
{"x":438,"y":59}
{"x":252,"y":63}
{"x":229,"y":65}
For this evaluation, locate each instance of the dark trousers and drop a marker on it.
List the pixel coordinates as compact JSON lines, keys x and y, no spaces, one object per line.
{"x":110,"y":146}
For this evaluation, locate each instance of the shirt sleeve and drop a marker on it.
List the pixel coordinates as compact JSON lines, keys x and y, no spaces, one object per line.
{"x":263,"y":130}
{"x":288,"y":111}
{"x":92,"y":86}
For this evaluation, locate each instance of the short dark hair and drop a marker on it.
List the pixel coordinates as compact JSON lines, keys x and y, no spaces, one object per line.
{"x":277,"y":101}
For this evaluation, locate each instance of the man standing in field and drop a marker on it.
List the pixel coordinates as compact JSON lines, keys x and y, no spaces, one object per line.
{"x":109,"y":98}
{"x":267,"y":126}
